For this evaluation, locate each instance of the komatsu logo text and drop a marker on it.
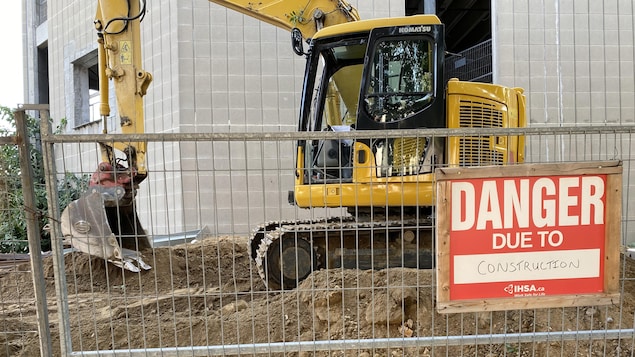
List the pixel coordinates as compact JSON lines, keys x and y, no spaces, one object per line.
{"x":415,"y":29}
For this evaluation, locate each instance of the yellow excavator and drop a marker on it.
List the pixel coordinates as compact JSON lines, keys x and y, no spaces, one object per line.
{"x":369,"y":76}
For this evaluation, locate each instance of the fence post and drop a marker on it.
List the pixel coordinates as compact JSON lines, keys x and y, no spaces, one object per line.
{"x":56,"y":237}
{"x":33,"y":231}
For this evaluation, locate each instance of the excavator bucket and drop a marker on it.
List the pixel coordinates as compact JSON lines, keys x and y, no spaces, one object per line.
{"x":92,"y":225}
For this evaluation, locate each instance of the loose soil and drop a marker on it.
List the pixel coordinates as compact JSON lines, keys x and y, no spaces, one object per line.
{"x":208,"y":293}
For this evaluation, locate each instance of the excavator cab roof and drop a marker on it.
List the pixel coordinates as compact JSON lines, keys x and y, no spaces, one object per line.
{"x":368,"y":25}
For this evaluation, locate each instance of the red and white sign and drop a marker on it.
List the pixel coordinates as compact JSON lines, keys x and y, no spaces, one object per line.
{"x":531,"y":236}
{"x":525,"y":236}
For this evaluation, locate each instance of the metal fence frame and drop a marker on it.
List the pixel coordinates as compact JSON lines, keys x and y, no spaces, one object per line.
{"x":473,"y":64}
{"x":49,"y":141}
{"x":22,"y":141}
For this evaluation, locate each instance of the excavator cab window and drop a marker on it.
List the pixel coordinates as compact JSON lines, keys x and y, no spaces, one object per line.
{"x":399,"y":85}
{"x":385,"y":79}
{"x":402,"y":86}
{"x":400,"y":79}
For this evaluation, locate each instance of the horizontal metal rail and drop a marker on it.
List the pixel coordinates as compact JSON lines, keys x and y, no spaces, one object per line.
{"x":354,"y":134}
{"x":351,"y":344}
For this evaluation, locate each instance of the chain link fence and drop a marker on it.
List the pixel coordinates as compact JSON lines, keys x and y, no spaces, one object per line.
{"x":204,"y":294}
{"x":208,"y":195}
{"x":473,"y":64}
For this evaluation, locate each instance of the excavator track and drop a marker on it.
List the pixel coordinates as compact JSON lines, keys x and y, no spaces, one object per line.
{"x":286,"y":252}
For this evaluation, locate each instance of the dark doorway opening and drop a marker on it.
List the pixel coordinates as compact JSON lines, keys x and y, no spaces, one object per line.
{"x":42,"y":76}
{"x":468,"y":35}
{"x":467,"y":22}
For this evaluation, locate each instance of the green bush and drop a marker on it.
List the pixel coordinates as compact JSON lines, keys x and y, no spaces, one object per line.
{"x":13,"y":236}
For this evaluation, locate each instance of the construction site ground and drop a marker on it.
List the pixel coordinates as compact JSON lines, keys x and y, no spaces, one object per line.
{"x":209,"y":293}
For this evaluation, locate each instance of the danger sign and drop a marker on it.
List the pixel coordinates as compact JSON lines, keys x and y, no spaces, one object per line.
{"x":528,"y":236}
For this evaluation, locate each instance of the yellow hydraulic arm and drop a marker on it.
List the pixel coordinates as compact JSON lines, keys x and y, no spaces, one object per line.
{"x":119,"y":47}
{"x":308,"y":16}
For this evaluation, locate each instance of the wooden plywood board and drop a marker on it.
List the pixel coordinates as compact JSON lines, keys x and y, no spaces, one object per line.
{"x":528,"y":236}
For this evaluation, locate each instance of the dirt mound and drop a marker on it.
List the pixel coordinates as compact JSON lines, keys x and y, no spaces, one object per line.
{"x":208,"y":293}
{"x":219,"y":262}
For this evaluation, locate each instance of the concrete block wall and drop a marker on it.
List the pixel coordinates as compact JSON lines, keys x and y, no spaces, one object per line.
{"x":160,"y":200}
{"x":68,"y":41}
{"x":575,"y":60}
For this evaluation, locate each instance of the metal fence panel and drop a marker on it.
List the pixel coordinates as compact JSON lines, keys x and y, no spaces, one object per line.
{"x":473,"y":64}
{"x":23,"y":306}
{"x":16,"y":296}
{"x":204,"y":296}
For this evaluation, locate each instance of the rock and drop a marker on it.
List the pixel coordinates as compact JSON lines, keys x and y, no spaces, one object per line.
{"x":234,"y":307}
{"x":327,"y":306}
{"x":484,"y":319}
{"x":406,"y":329}
{"x":388,"y":307}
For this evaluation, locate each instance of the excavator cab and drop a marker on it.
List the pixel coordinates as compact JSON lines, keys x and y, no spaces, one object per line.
{"x":372,"y":75}
{"x":386,"y":77}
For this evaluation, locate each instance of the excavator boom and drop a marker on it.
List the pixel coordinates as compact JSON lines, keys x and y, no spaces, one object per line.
{"x":307,"y":16}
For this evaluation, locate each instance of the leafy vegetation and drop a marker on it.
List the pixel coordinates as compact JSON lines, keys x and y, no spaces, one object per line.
{"x":296,"y":17}
{"x":13,"y":235}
